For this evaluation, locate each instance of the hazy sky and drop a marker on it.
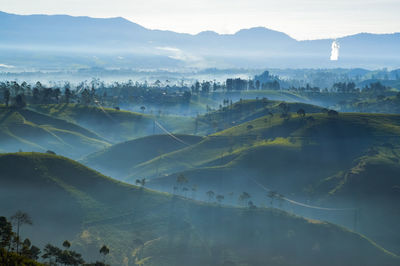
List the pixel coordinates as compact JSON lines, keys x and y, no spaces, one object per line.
{"x":301,"y":19}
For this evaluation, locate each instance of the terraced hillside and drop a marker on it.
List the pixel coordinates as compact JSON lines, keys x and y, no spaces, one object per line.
{"x":148,"y":228}
{"x":26,"y":130}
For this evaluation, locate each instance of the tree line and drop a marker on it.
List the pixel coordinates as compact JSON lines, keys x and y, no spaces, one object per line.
{"x":15,"y":251}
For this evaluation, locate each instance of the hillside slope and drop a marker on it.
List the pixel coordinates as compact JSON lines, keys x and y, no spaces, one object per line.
{"x":22,"y":129}
{"x":116,"y":159}
{"x":116,"y":125}
{"x":246,"y":110}
{"x":148,"y":228}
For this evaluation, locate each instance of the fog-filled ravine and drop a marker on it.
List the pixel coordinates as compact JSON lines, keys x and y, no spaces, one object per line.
{"x":206,"y":134}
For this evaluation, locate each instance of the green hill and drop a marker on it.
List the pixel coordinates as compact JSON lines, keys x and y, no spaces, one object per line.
{"x":247,"y":110}
{"x":26,"y":130}
{"x":69,"y":201}
{"x":372,"y":185}
{"x":116,"y":159}
{"x":301,"y":158}
{"x":116,"y":125}
{"x":303,"y":137}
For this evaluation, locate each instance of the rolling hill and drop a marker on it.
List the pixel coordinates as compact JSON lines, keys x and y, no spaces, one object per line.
{"x":116,"y":125}
{"x":116,"y":159}
{"x":304,"y":159}
{"x":246,"y":110}
{"x":23,"y":129}
{"x":148,"y":228}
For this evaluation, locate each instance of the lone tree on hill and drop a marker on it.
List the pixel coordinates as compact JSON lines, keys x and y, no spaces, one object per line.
{"x":244,"y":197}
{"x":272,"y":195}
{"x":181,"y":179}
{"x":104,"y":251}
{"x":220,"y":198}
{"x":19,"y":219}
{"x":301,"y":112}
{"x":210,"y":195}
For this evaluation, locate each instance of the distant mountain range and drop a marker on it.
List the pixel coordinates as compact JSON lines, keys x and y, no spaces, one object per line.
{"x":117,"y":42}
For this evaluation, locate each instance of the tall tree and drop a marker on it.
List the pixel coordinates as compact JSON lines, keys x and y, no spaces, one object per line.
{"x":5,"y":232}
{"x":6,"y":96}
{"x":19,"y":219}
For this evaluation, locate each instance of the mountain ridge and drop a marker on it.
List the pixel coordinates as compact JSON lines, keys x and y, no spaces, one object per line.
{"x":78,"y":37}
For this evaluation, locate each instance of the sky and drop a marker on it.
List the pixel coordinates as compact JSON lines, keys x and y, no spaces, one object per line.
{"x":301,"y":19}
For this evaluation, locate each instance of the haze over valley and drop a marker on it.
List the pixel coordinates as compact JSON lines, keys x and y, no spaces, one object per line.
{"x":125,"y":145}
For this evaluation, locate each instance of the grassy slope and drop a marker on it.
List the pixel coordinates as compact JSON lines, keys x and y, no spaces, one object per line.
{"x":115,"y":125}
{"x":341,"y":138}
{"x":30,"y":131}
{"x":246,"y":110}
{"x":387,"y":105}
{"x":67,"y":199}
{"x":372,"y":185}
{"x":116,"y":159}
{"x":302,"y":160}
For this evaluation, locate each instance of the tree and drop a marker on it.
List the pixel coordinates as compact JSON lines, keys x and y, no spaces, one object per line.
{"x":30,"y":251}
{"x":251,"y":205}
{"x":301,"y":112}
{"x":66,"y":244}
{"x":220,"y":198}
{"x":5,"y":232}
{"x":244,"y":197}
{"x":194,"y":190}
{"x":284,"y":109}
{"x":20,"y":101}
{"x":142,"y":108}
{"x":141,"y":182}
{"x":6,"y":97}
{"x":67,"y":94}
{"x":36,"y":95}
{"x":272,"y":195}
{"x":185,"y":190}
{"x":51,"y":252}
{"x":68,"y":257}
{"x":104,"y":251}
{"x":210,"y":195}
{"x":19,"y":219}
{"x":181,"y":179}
